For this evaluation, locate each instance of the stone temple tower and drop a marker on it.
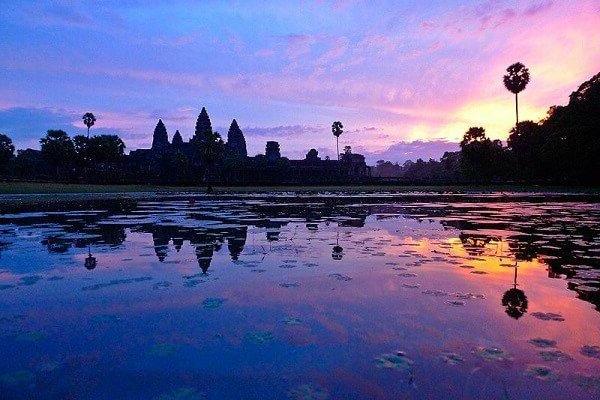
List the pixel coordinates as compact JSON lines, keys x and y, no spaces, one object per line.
{"x":236,"y":144}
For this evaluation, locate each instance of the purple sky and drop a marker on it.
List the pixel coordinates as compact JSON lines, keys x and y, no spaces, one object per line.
{"x":407,"y":78}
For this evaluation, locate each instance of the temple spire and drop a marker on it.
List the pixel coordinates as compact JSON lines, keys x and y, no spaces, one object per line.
{"x":236,"y":143}
{"x":203,"y":126}
{"x":160,"y":138}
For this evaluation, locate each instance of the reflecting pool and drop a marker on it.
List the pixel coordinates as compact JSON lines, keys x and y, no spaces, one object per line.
{"x":302,"y":297}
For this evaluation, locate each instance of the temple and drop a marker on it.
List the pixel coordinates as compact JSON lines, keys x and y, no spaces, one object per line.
{"x":177,"y":161}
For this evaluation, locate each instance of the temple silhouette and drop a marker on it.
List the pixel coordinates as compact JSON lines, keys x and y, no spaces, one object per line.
{"x":177,"y":159}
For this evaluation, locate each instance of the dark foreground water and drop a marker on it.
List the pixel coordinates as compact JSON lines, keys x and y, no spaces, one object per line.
{"x":329,"y":297}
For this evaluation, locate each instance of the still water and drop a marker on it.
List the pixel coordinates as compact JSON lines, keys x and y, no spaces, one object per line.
{"x":300,"y":297}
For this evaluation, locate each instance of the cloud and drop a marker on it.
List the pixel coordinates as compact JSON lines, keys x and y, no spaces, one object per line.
{"x":403,"y":151}
{"x":282,"y":131}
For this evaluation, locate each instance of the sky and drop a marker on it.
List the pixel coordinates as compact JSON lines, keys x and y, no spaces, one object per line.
{"x":406,"y":78}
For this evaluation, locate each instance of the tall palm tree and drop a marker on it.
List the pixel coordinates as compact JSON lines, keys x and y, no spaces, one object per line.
{"x":337,"y":129}
{"x":88,"y":120}
{"x":515,"y":81}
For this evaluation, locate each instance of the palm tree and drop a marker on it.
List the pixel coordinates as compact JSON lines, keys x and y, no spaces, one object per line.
{"x":337,"y":129}
{"x":88,"y":120}
{"x":515,"y":81}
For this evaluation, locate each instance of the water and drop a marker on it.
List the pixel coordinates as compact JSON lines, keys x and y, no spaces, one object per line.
{"x":324,"y":297}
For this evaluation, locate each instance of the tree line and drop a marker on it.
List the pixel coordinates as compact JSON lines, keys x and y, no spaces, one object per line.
{"x":563,"y":148}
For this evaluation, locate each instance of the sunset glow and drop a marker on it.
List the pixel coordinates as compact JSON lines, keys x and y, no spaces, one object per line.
{"x":392,"y":71}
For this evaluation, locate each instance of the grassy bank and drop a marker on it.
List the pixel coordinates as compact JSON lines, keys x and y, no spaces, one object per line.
{"x":37,"y":188}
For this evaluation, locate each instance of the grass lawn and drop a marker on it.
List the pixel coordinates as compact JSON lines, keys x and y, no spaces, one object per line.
{"x":37,"y":188}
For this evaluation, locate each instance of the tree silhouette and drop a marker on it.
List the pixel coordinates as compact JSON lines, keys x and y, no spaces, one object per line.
{"x":7,"y":151}
{"x":337,"y":129}
{"x":106,"y":148}
{"x":515,"y":82}
{"x":88,"y":119}
{"x":210,"y":148}
{"x":57,"y":149}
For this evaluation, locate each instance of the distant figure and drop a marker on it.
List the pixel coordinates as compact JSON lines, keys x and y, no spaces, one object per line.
{"x":515,"y":81}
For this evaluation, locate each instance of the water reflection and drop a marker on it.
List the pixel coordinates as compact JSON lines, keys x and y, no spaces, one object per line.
{"x":90,"y":261}
{"x":515,"y":300}
{"x":235,"y":284}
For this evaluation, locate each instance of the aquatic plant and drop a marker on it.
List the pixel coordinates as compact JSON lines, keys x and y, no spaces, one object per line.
{"x":555,"y":355}
{"x":540,"y":372}
{"x":398,"y":360}
{"x":308,"y":392}
{"x":541,"y":342}
{"x":260,"y":337}
{"x":590,"y":351}
{"x":492,"y":354}
{"x":548,"y":316}
{"x":212,"y":302}
{"x":452,"y":358}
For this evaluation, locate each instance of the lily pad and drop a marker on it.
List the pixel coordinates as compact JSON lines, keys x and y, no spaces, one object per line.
{"x":161,"y":285}
{"x":452,"y":358}
{"x":555,"y":355}
{"x":212,"y":302}
{"x":591,"y":351}
{"x":548,"y":316}
{"x":398,"y":360}
{"x":308,"y":392}
{"x":17,"y":378}
{"x":289,"y":284}
{"x":540,"y":372}
{"x":492,"y":354}
{"x":340,"y":277}
{"x":541,"y":342}
{"x":260,"y":337}
{"x":292,"y":321}
{"x":163,"y":349}
{"x":184,"y":393}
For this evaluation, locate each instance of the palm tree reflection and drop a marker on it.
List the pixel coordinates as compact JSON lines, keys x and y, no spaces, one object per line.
{"x":514,"y":300}
{"x":338,"y":251}
{"x":90,"y":261}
